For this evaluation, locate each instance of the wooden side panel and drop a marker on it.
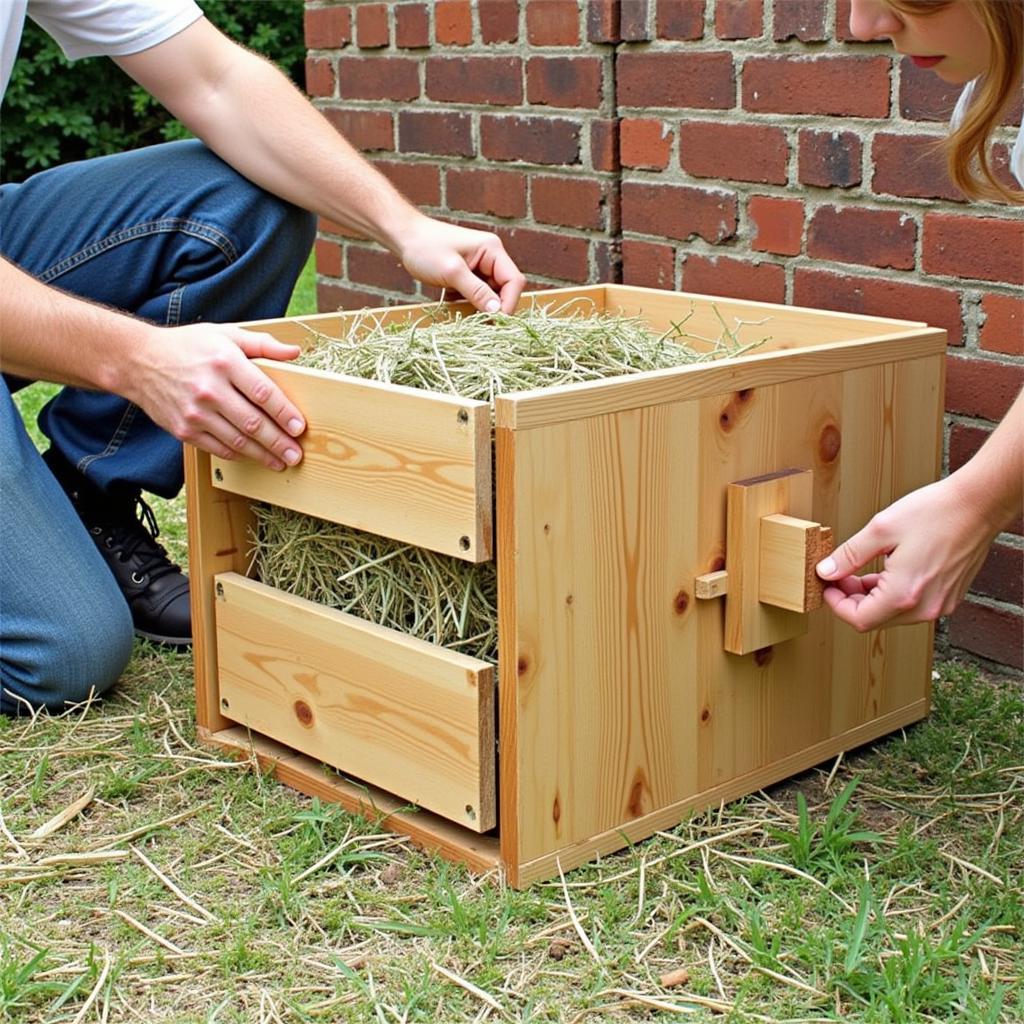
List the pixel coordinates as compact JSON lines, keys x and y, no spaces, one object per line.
{"x":407,"y":464}
{"x":218,"y":541}
{"x":601,"y":643}
{"x":412,"y":718}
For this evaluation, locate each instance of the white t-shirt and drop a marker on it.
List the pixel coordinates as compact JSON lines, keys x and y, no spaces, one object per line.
{"x":1016,"y":154}
{"x":92,"y":28}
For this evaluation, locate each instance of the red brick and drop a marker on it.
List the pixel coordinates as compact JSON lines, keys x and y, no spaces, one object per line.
{"x":412,"y":25}
{"x":551,"y":254}
{"x":573,"y":202}
{"x":875,"y":238}
{"x":552,"y":22}
{"x":536,"y":140}
{"x":634,"y":21}
{"x":327,"y":28}
{"x":319,"y":76}
{"x":648,"y":264}
{"x":378,"y":78}
{"x":674,"y":79}
{"x":1003,"y":329}
{"x":911,"y":165}
{"x":379,"y":268}
{"x":993,"y":633}
{"x":778,"y":223}
{"x":1001,"y":577}
{"x":842,"y":25}
{"x":873,"y":296}
{"x":644,"y":142}
{"x":499,"y":20}
{"x":676,"y":211}
{"x":739,"y":19}
{"x":564,"y":81}
{"x":372,"y":28}
{"x":964,"y":442}
{"x":607,"y":261}
{"x":981,"y":388}
{"x":328,"y":258}
{"x":331,"y":297}
{"x":365,"y":129}
{"x":829,"y":159}
{"x":604,"y":144}
{"x":739,"y":152}
{"x":680,"y":19}
{"x":447,"y":134}
{"x":500,"y":193}
{"x":982,"y":248}
{"x":603,"y":21}
{"x":799,"y":19}
{"x":419,"y":182}
{"x":923,"y":96}
{"x":738,"y":279}
{"x":493,"y":80}
{"x":841,"y":86}
{"x":453,"y":22}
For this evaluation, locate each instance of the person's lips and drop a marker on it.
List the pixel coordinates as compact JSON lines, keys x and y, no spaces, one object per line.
{"x":926,"y":62}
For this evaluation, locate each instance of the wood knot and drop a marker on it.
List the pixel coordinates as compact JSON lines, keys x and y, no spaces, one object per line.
{"x":717,"y":564}
{"x":681,"y":602}
{"x":705,"y":714}
{"x":569,"y":599}
{"x":829,"y":443}
{"x":523,"y":664}
{"x":556,"y":810}
{"x":763,"y":656}
{"x":304,"y":713}
{"x":636,"y":796}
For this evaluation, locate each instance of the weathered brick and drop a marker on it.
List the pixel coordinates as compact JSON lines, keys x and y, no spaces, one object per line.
{"x":739,"y":152}
{"x":648,"y":264}
{"x":778,"y":224}
{"x":571,"y":201}
{"x":441,"y":133}
{"x":737,"y":279}
{"x":320,"y":78}
{"x":844,"y":86}
{"x":634,"y":21}
{"x":453,"y":22}
{"x":366,"y":129}
{"x":480,"y":190}
{"x":923,"y":96}
{"x":911,"y":165}
{"x":331,"y":297}
{"x":499,"y":20}
{"x":412,"y":25}
{"x":419,"y":182}
{"x":552,"y":22}
{"x":497,"y":81}
{"x":875,"y":238}
{"x":739,"y":19}
{"x":981,"y":388}
{"x":964,"y":442}
{"x":328,"y":258}
{"x":327,"y":28}
{"x":842,"y":23}
{"x":680,"y":19}
{"x":677,"y":211}
{"x":603,"y":21}
{"x":799,"y":19}
{"x":379,"y":268}
{"x":1001,"y":576}
{"x":372,"y":29}
{"x":378,"y":78}
{"x":829,"y":159}
{"x":606,"y":260}
{"x":901,"y":300}
{"x":538,"y":140}
{"x":644,"y":142}
{"x":993,"y":633}
{"x":700,"y":80}
{"x":564,"y":81}
{"x":604,"y":144}
{"x":1003,"y":329}
{"x":983,"y":248}
{"x":552,"y":254}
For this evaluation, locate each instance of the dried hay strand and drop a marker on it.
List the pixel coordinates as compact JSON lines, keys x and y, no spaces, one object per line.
{"x":435,"y":597}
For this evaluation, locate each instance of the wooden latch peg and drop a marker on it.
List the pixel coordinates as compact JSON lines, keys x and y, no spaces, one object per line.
{"x":772,"y":546}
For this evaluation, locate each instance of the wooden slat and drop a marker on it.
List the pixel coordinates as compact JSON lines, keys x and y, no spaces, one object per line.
{"x":409,"y":717}
{"x":411,"y":465}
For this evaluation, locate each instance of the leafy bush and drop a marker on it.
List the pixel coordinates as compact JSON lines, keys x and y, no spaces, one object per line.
{"x":56,"y":111}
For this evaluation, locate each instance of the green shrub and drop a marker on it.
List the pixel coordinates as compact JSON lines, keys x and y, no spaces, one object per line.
{"x":56,"y":111}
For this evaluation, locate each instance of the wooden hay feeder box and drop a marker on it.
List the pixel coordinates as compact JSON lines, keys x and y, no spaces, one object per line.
{"x":660,"y":648}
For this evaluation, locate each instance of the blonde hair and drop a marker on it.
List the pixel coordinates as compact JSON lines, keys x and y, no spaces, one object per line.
{"x":967,"y":148}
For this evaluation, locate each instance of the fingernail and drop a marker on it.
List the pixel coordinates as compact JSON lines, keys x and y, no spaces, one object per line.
{"x":826,"y":567}
{"x":291,"y":456}
{"x":493,"y":306}
{"x":295,"y":427}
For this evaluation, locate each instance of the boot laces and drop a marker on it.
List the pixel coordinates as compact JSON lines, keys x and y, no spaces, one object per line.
{"x":135,"y":537}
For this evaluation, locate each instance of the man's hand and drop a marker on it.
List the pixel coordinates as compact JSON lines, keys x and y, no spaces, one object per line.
{"x":933,"y":541}
{"x":472,"y":263}
{"x":199,"y":384}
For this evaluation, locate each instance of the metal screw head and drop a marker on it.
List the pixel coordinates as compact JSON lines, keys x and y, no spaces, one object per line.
{"x":218,"y":476}
{"x":465,"y":543}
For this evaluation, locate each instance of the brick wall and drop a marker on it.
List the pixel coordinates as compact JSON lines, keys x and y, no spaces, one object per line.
{"x":738,"y":147}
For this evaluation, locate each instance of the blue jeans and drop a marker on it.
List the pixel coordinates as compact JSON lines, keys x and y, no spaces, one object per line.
{"x":173,"y":235}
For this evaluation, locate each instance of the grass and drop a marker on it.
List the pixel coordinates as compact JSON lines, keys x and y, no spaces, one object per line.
{"x":146,"y":878}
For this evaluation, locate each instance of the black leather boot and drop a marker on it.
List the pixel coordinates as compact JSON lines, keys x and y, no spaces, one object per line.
{"x":125,"y":531}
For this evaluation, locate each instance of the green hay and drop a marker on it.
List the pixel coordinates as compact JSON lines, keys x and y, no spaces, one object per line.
{"x":439,"y":598}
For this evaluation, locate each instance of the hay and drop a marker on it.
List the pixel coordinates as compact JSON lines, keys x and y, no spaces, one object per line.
{"x":439,"y":598}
